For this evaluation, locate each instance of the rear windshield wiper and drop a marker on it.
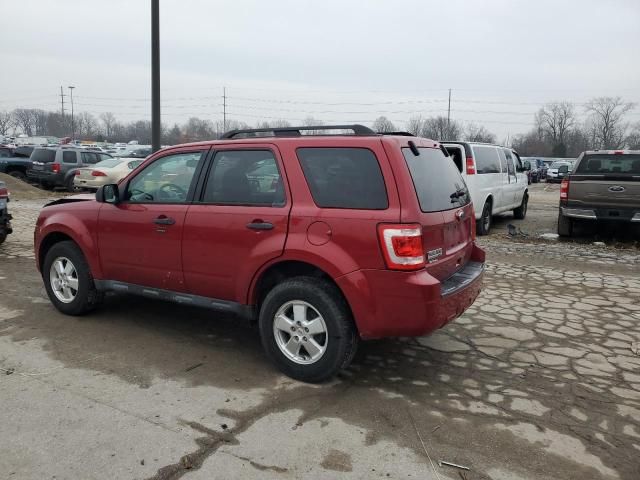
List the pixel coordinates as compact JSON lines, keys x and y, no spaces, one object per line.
{"x":458,"y":193}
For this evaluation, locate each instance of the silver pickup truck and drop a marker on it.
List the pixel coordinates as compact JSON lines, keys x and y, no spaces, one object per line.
{"x":604,"y":185}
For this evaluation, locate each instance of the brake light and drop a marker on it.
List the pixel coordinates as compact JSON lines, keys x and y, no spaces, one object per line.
{"x":55,"y":167}
{"x":77,"y":173}
{"x":564,"y":189}
{"x":98,"y":173}
{"x":402,"y":246}
{"x":4,"y":193}
{"x":619,"y":152}
{"x":471,"y":167}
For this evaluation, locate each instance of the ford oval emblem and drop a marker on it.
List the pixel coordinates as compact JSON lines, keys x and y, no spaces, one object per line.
{"x":616,"y":188}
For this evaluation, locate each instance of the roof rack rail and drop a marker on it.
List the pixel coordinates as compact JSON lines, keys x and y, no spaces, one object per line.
{"x":296,"y":131}
{"x":400,"y":133}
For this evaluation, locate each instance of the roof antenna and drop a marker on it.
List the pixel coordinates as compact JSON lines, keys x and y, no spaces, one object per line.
{"x":413,"y":148}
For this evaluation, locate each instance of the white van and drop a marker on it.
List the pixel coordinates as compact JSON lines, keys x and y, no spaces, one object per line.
{"x":495,"y":177}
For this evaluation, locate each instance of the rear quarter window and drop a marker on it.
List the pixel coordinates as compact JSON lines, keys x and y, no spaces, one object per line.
{"x":487,"y":160}
{"x":436,"y":179}
{"x":344,"y":178}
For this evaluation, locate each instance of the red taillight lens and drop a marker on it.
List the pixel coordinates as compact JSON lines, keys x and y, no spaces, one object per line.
{"x":4,"y":193}
{"x":402,"y":246}
{"x":77,"y":173}
{"x":98,"y":173}
{"x":619,"y":152}
{"x":55,"y":167}
{"x":564,"y":189}
{"x":471,"y":166}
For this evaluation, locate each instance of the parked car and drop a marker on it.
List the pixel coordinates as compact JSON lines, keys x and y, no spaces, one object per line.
{"x":5,"y":216}
{"x":111,"y":170}
{"x":496,"y":178}
{"x":15,"y":162}
{"x":555,"y":174}
{"x":364,"y":236}
{"x":537,"y":169}
{"x":56,"y":167}
{"x":603,"y":186}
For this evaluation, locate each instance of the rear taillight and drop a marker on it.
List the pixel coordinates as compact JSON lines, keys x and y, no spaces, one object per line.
{"x":471,"y":167}
{"x":77,"y":173}
{"x":564,"y":189}
{"x":402,"y":246}
{"x":98,"y":173}
{"x":55,"y":167}
{"x":619,"y":152}
{"x":4,"y":193}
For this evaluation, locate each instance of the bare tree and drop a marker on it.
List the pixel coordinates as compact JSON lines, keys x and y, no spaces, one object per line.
{"x":556,"y":120}
{"x":7,"y":122}
{"x":415,"y":125}
{"x":440,"y":128}
{"x":383,"y":124}
{"x":86,"y":125}
{"x":606,"y":116}
{"x":108,"y":121}
{"x":478,"y":133}
{"x":633,"y":139}
{"x":40,"y":121}
{"x":24,"y":120}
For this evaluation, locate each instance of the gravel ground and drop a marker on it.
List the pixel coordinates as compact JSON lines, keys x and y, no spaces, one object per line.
{"x":540,"y":379}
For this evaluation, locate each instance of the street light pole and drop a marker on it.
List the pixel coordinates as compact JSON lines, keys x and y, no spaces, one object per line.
{"x":155,"y":75}
{"x":73,"y":126}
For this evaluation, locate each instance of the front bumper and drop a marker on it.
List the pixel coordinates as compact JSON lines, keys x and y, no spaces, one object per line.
{"x":389,"y":303}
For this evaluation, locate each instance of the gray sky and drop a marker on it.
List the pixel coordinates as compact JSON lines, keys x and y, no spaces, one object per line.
{"x":340,"y":61}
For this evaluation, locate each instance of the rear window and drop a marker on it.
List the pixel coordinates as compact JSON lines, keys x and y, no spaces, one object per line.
{"x":344,"y":178}
{"x":43,"y":155}
{"x":610,"y":164}
{"x":487,"y":160}
{"x":437,"y":181}
{"x":111,"y":162}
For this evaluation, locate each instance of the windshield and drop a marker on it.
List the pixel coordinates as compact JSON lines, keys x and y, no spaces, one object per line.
{"x":437,"y":181}
{"x":610,"y":164}
{"x":558,"y":164}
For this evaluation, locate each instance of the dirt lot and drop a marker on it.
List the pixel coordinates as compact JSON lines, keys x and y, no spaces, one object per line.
{"x":540,"y":379}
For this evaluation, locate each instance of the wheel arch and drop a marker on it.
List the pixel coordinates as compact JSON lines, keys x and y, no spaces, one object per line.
{"x":56,"y":233}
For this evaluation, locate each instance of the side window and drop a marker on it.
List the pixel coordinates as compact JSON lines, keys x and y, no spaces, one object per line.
{"x":104,"y":156}
{"x":4,"y":154}
{"x":510,"y":168}
{"x":487,"y":160}
{"x":503,"y":160}
{"x":536,"y":163}
{"x":88,"y":157}
{"x":344,"y":178}
{"x":69,"y":157}
{"x":244,"y":177}
{"x":166,"y":180}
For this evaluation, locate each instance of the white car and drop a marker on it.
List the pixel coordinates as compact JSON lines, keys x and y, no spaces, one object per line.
{"x":495,"y":177}
{"x":552,"y":172}
{"x":107,"y":171}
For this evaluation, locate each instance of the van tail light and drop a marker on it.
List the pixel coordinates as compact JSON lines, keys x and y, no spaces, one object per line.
{"x":4,"y":193}
{"x":471,"y":167}
{"x":55,"y":167}
{"x":98,"y":173}
{"x":402,"y":245}
{"x":564,"y":189}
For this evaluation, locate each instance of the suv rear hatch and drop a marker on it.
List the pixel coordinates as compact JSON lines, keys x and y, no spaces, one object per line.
{"x":42,"y":156}
{"x":446,"y":216}
{"x":606,"y":180}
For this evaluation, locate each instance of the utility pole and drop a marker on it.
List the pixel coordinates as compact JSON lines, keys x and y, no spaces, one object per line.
{"x":73,"y":125}
{"x":449,"y":110}
{"x":224,"y":109}
{"x":62,"y":95}
{"x":155,"y":75}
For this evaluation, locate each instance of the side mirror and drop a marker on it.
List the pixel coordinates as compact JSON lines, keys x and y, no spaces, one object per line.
{"x":108,"y":194}
{"x":564,"y":169}
{"x":527,"y":165}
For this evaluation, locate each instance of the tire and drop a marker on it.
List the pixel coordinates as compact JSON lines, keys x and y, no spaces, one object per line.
{"x":46,"y":186}
{"x":484,"y":224}
{"x":86,"y":297}
{"x":521,"y":212}
{"x":320,"y":306}
{"x":3,"y":237}
{"x":19,"y":175}
{"x":565,"y":226}
{"x":69,"y":184}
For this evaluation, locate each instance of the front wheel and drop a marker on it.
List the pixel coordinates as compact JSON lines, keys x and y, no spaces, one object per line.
{"x":521,"y":211}
{"x":19,"y":175}
{"x":307,"y":329}
{"x":68,"y":280}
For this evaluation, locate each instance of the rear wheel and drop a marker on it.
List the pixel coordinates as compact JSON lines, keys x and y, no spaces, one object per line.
{"x":521,"y":211}
{"x":565,"y":226}
{"x":69,"y":184}
{"x":484,"y":224}
{"x":307,"y":329}
{"x":68,"y":280}
{"x":3,"y":237}
{"x":19,"y":175}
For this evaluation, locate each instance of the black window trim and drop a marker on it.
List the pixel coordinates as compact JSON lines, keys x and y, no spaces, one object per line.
{"x":208,"y":168}
{"x":204,"y":155}
{"x":384,"y":180}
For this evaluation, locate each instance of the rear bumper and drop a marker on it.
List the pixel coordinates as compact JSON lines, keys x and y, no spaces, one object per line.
{"x":90,"y":183}
{"x":388,"y":303}
{"x":42,"y":176}
{"x":599,"y":213}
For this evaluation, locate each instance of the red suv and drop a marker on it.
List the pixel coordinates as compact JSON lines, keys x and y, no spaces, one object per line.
{"x":322,"y":238}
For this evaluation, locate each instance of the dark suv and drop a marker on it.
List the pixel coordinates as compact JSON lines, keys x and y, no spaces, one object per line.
{"x":603,"y":186}
{"x":56,"y":167}
{"x":321,"y":239}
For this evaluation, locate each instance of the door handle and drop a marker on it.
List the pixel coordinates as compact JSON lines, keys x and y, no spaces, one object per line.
{"x":164,"y":220}
{"x":260,"y":225}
